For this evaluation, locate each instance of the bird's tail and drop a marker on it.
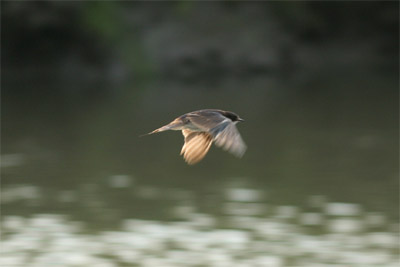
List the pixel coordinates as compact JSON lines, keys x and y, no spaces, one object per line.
{"x":174,"y":125}
{"x":162,"y":129}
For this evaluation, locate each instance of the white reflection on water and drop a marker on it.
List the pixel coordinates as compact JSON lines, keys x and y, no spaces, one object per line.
{"x":249,"y":232}
{"x":12,"y":160}
{"x":342,"y":209}
{"x":20,"y":192}
{"x":311,"y":218}
{"x":345,"y":225}
{"x":244,"y":195}
{"x":120,"y":181}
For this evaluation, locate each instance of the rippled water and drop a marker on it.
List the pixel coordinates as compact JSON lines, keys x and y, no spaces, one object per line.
{"x":245,"y":230}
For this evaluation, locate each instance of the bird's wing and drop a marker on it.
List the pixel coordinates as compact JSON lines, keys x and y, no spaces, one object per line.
{"x":196,"y":146}
{"x":223,"y":132}
{"x":227,"y":136}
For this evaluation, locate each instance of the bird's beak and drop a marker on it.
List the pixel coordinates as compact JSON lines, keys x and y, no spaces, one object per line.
{"x":240,"y":119}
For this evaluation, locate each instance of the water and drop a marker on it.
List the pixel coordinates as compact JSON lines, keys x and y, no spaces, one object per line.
{"x":247,"y":230}
{"x":317,"y":186}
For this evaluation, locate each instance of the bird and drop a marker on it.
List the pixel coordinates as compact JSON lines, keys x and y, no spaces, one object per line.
{"x":203,"y":127}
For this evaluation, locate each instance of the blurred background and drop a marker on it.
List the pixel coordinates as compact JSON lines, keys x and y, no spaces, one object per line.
{"x":316,"y":82}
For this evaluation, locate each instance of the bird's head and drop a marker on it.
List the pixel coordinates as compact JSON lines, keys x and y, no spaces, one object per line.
{"x":233,"y":116}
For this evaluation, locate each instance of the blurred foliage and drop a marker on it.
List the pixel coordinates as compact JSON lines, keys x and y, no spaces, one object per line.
{"x":103,"y":18}
{"x":101,"y":33}
{"x":326,"y":20}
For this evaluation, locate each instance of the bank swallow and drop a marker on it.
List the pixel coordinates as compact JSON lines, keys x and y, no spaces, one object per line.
{"x":203,"y":127}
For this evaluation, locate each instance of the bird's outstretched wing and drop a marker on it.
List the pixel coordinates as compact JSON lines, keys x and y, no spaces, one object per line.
{"x":223,"y":131}
{"x":227,"y":136}
{"x":196,"y":146}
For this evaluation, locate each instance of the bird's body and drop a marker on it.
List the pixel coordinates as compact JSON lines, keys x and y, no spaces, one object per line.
{"x":201,"y":128}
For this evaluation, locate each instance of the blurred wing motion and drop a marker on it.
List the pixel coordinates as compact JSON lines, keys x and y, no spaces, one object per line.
{"x":196,"y":146}
{"x":228,"y":137}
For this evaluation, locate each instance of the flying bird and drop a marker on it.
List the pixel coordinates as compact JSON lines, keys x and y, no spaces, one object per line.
{"x":203,"y":127}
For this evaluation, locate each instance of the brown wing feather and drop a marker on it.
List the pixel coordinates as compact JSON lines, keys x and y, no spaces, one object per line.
{"x":196,"y":146}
